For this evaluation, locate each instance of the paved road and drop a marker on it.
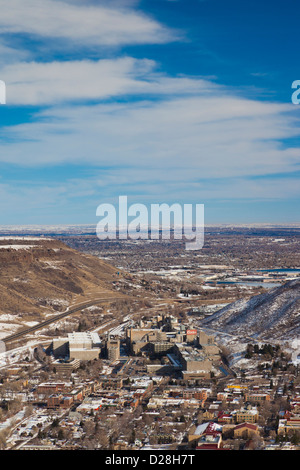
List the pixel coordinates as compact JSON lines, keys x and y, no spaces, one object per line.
{"x":55,"y":318}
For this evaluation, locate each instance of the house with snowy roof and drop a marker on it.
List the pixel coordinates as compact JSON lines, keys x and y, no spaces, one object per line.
{"x":225,"y":418}
{"x":208,"y":432}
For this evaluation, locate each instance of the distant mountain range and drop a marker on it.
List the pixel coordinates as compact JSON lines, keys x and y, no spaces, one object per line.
{"x":274,"y":315}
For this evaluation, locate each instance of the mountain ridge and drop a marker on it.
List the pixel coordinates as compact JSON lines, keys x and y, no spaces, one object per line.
{"x":274,"y":315}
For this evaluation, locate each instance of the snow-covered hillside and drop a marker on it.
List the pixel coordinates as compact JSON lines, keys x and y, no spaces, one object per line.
{"x":274,"y":315}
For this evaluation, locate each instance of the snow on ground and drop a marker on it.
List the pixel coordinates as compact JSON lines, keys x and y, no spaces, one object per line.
{"x":30,"y":323}
{"x":17,"y":279}
{"x":92,"y":308}
{"x":15,"y":355}
{"x":10,"y":323}
{"x":7,"y":317}
{"x":12,"y":420}
{"x":7,"y":329}
{"x":24,"y":238}
{"x":17,"y":247}
{"x":237,"y":347}
{"x":52,"y":264}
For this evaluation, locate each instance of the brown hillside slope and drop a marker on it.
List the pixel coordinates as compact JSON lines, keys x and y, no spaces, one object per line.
{"x":40,"y":275}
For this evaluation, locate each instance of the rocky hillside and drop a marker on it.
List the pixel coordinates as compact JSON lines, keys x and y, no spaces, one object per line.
{"x":270,"y":316}
{"x":41,"y":275}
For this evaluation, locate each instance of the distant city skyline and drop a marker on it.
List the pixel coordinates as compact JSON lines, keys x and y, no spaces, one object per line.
{"x":166,"y":101}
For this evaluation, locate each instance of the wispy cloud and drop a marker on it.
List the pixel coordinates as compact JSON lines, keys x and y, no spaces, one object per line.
{"x":36,"y":83}
{"x":133,"y":127}
{"x":81,"y":24}
{"x":209,"y":135}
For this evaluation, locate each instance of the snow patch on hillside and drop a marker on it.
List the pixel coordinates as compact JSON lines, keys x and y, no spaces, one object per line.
{"x":274,"y":314}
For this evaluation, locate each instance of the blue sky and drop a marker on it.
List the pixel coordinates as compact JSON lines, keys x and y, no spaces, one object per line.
{"x":175,"y":101}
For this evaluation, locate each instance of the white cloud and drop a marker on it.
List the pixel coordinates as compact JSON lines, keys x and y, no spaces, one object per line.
{"x":82,"y":24}
{"x":167,"y":138}
{"x":34,"y":83}
{"x":9,"y":54}
{"x":48,"y":83}
{"x":198,"y":136}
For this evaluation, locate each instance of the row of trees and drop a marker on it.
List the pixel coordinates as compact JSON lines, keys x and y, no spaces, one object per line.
{"x":263,"y":350}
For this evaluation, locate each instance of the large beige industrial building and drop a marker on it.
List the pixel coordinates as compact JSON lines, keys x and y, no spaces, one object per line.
{"x":195,"y":363}
{"x":191,"y":350}
{"x":84,"y":346}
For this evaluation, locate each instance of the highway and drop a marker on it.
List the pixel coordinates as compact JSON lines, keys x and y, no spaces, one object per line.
{"x":53,"y":319}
